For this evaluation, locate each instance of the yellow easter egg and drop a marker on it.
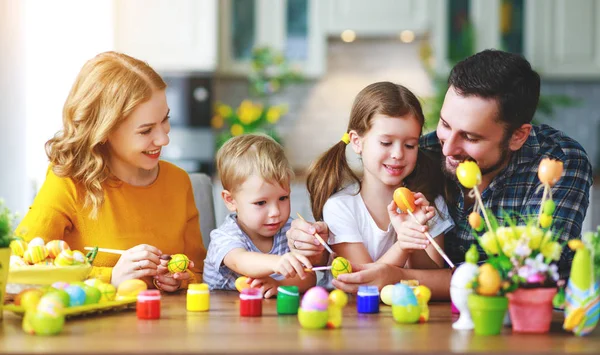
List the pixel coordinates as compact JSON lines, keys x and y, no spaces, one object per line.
{"x":65,"y":258}
{"x":130,"y":289}
{"x":18,"y":247}
{"x":241,"y":283}
{"x":338,"y":298}
{"x":423,"y":293}
{"x":545,"y":221}
{"x":386,"y":294}
{"x":489,"y":280}
{"x":55,"y":247}
{"x":340,"y":266}
{"x":178,"y":263}
{"x":108,"y":292}
{"x":468,"y":174}
{"x":404,"y":199}
{"x":35,"y":254}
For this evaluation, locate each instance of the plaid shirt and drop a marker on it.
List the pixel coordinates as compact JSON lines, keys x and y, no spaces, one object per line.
{"x":516,"y":189}
{"x":230,"y":236}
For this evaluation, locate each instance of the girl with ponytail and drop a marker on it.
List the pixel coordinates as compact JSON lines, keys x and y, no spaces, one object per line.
{"x":386,"y":122}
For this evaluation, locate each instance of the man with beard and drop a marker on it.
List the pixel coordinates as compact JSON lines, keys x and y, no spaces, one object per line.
{"x":486,"y":117}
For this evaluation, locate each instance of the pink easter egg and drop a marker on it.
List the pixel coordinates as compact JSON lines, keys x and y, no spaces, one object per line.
{"x":315,"y":299}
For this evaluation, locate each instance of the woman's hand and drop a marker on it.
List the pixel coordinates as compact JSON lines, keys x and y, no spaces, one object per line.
{"x":139,"y":262}
{"x":168,"y":282}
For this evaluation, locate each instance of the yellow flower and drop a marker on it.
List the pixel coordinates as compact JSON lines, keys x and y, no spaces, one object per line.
{"x":504,"y":235}
{"x":217,"y":122}
{"x":509,"y":248}
{"x":273,"y":114}
{"x":489,"y":243}
{"x":535,"y":236}
{"x":224,"y":110}
{"x":552,"y":251}
{"x":249,"y":112}
{"x":237,"y":130}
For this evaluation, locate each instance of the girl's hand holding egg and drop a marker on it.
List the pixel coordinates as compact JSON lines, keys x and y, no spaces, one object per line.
{"x":410,"y":232}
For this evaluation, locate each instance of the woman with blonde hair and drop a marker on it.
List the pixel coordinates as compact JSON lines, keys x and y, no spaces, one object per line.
{"x":106,"y":186}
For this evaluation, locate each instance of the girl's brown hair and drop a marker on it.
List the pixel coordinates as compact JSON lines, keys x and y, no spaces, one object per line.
{"x":331,"y":172}
{"x":107,"y":89}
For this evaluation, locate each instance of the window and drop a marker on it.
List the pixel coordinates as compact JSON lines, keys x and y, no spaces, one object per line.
{"x":296,"y":47}
{"x":242,"y":28}
{"x":511,"y":25}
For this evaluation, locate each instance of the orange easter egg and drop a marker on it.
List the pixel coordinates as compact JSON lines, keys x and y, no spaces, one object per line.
{"x":550,"y":171}
{"x":404,"y":199}
{"x":241,"y":283}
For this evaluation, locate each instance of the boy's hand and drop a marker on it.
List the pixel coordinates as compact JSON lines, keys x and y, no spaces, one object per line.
{"x":292,"y":264}
{"x":268,"y":285}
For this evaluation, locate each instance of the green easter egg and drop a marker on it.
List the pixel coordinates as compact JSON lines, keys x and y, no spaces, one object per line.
{"x":549,"y":207}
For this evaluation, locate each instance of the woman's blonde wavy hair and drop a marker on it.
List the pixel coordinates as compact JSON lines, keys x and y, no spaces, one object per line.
{"x":107,"y":90}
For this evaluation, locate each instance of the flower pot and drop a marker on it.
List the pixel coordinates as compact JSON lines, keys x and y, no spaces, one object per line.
{"x":531,"y":309}
{"x":487,"y":313}
{"x":4,"y":263}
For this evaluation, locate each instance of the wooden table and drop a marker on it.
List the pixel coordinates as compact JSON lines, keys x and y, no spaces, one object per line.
{"x":222,"y":330}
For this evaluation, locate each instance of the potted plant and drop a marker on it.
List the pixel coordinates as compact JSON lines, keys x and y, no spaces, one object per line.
{"x":6,"y":235}
{"x":523,"y":252}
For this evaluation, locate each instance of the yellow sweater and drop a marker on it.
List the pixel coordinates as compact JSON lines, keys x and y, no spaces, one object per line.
{"x":162,"y":214}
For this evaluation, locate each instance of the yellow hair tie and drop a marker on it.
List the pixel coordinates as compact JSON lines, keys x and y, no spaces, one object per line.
{"x":346,"y":138}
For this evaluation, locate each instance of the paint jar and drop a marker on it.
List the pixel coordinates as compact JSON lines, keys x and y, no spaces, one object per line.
{"x":148,"y":304}
{"x":251,"y":302}
{"x":198,"y":298}
{"x":367,"y":299}
{"x":288,"y":300}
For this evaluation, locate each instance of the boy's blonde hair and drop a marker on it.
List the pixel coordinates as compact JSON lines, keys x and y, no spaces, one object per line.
{"x":252,"y":154}
{"x":108,"y":88}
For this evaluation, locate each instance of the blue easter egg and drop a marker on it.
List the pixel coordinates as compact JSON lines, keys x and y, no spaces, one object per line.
{"x":76,"y":295}
{"x":402,"y":295}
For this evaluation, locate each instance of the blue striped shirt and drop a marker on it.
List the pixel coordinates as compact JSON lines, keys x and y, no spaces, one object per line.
{"x":516,"y":189}
{"x":230,"y":236}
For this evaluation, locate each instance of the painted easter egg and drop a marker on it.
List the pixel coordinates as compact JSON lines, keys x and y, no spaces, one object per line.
{"x":79,"y":258}
{"x":386,"y":294}
{"x":475,"y":221}
{"x":51,"y":305}
{"x":403,"y":295}
{"x":76,"y":295}
{"x":178,"y":263}
{"x":93,"y":282}
{"x":37,"y":241}
{"x":315,"y":299}
{"x":340,"y":266}
{"x":241,"y":283}
{"x":35,"y":254}
{"x":43,"y":324}
{"x":65,"y":258}
{"x":550,"y":171}
{"x":423,"y":293}
{"x":468,"y":174}
{"x":404,"y":199}
{"x":18,"y":247}
{"x":56,"y":246}
{"x":108,"y":292}
{"x":60,"y":285}
{"x":338,"y":298}
{"x":130,"y":289}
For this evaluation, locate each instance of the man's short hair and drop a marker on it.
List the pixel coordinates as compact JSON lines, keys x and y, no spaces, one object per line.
{"x":506,"y":77}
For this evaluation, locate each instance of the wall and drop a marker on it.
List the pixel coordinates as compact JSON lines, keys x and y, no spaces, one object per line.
{"x":13,"y":185}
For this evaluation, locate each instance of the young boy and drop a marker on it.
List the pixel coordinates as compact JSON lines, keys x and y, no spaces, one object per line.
{"x":255,"y":175}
